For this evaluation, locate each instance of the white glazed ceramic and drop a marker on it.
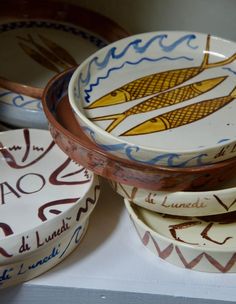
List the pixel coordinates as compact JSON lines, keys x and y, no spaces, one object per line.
{"x":158,"y":98}
{"x":198,"y":243}
{"x":21,"y":111}
{"x":184,"y":203}
{"x":42,"y":193}
{"x":44,"y":259}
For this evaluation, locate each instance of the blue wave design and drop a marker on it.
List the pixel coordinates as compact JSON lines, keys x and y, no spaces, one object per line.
{"x":229,"y":69}
{"x":19,"y":100}
{"x":223,"y":140}
{"x":171,"y":158}
{"x":76,"y":236}
{"x":88,"y":91}
{"x":111,"y":54}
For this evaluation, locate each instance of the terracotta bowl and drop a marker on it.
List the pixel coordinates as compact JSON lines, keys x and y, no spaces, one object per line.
{"x":41,"y":40}
{"x":69,"y":136}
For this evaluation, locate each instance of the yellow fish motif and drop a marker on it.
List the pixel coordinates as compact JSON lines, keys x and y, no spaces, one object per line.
{"x":157,"y":83}
{"x":162,"y":100}
{"x":182,"y":116}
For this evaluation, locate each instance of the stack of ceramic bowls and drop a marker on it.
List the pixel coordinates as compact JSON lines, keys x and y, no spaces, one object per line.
{"x":154,"y":113}
{"x":37,"y":42}
{"x":46,"y":200}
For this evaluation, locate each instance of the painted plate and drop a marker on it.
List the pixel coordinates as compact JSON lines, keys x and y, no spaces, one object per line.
{"x":39,"y":42}
{"x":44,"y":259}
{"x":198,"y":243}
{"x":70,"y":137}
{"x":163,"y":98}
{"x":218,"y":200}
{"x":42,"y":193}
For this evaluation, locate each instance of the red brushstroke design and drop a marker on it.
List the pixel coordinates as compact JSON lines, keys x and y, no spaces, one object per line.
{"x":4,"y":253}
{"x":89,"y":200}
{"x":41,"y":210}
{"x":54,"y":177}
{"x":10,"y":160}
{"x":6,"y":229}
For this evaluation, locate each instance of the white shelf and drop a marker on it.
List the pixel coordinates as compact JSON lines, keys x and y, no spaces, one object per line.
{"x":112,"y":266}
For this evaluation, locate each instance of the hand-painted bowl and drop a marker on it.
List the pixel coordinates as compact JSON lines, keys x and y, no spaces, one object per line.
{"x":219,"y":200}
{"x":42,"y":193}
{"x":202,"y":243}
{"x":70,"y":137}
{"x":165,"y":98}
{"x":42,"y":40}
{"x":44,"y":258}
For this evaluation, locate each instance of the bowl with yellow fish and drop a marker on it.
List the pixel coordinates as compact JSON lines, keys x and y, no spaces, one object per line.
{"x":160,"y":98}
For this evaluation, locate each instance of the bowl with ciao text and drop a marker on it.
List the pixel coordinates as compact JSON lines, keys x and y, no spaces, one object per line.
{"x":41,"y":40}
{"x":204,"y":244}
{"x":164,"y":98}
{"x":43,"y":194}
{"x":216,"y":200}
{"x":70,"y":137}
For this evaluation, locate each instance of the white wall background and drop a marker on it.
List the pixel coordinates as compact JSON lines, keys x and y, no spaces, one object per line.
{"x":212,"y":16}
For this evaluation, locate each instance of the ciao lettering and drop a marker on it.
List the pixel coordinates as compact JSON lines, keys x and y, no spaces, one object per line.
{"x":27,"y":184}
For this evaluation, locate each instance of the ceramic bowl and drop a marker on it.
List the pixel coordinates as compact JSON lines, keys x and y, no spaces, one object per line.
{"x":70,"y":137}
{"x":158,"y":98}
{"x":199,"y":243}
{"x":44,"y":259}
{"x":42,"y":193}
{"x":219,"y":200}
{"x":42,"y":41}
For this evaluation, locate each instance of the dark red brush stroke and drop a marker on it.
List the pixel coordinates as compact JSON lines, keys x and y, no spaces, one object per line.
{"x":27,"y":142}
{"x":4,"y":253}
{"x":53,"y":179}
{"x":6,"y":229}
{"x":10,"y":160}
{"x":41,"y":210}
{"x":217,"y":264}
{"x":89,"y":200}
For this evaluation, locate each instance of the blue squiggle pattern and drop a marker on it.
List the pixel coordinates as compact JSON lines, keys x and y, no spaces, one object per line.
{"x":128,"y":150}
{"x":91,"y":86}
{"x":229,"y":69}
{"x":76,"y":236}
{"x":135,"y":45}
{"x":20,"y":101}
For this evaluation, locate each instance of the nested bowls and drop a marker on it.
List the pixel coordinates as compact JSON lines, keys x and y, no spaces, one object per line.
{"x":164,"y":98}
{"x":198,"y":243}
{"x":70,"y":137}
{"x":39,"y":41}
{"x":44,"y":194}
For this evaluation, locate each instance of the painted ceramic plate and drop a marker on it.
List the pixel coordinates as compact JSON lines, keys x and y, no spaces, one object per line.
{"x":42,"y":193}
{"x":201,"y":243}
{"x":44,"y":259}
{"x":39,"y":42}
{"x":219,"y":200}
{"x":69,"y":136}
{"x":163,"y":98}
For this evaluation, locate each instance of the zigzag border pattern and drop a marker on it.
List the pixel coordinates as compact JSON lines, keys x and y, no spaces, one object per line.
{"x":195,"y":263}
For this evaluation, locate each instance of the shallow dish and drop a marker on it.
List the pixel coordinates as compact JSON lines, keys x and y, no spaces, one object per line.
{"x":201,"y":243}
{"x":42,"y":193}
{"x":70,"y":137}
{"x":39,"y":41}
{"x":158,"y":98}
{"x":44,"y":259}
{"x":221,"y":199}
